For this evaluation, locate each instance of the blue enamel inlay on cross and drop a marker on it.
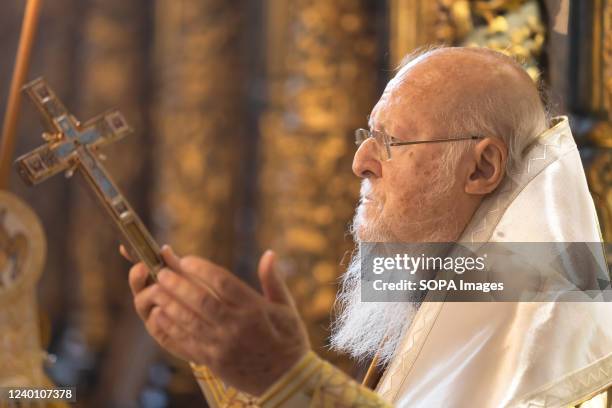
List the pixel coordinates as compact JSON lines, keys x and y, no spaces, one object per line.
{"x":101,"y":179}
{"x":104,"y":183}
{"x":89,"y":136}
{"x":65,"y":149}
{"x":67,"y":127}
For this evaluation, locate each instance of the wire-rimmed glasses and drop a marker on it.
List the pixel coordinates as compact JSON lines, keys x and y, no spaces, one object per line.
{"x":385,"y":142}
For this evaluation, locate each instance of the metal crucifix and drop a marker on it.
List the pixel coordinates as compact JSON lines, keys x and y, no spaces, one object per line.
{"x":71,"y":146}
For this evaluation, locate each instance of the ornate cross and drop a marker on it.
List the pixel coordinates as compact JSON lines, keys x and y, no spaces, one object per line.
{"x":72,"y":146}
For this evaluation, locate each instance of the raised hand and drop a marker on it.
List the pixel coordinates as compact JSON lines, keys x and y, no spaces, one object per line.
{"x":202,"y":313}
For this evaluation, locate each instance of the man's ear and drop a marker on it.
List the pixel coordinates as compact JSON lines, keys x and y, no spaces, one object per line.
{"x":488,"y":166}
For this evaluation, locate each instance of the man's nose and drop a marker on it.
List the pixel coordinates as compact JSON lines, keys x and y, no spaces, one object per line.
{"x":366,"y":162}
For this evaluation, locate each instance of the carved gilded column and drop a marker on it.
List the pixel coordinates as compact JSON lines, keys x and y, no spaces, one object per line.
{"x":600,"y":101}
{"x":113,"y":73}
{"x":322,"y":82}
{"x":199,"y":122}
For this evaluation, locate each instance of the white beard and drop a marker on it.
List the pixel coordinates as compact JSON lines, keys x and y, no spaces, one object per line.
{"x":365,"y":329}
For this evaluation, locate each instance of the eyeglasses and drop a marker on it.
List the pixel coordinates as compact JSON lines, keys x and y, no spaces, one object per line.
{"x":385,"y":142}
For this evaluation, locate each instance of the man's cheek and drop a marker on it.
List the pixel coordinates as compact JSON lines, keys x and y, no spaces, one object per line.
{"x":402,"y":199}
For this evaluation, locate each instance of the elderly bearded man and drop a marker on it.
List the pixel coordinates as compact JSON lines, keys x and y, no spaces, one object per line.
{"x":520,"y":180}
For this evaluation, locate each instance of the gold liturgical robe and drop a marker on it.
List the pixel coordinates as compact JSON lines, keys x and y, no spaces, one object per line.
{"x":523,"y":354}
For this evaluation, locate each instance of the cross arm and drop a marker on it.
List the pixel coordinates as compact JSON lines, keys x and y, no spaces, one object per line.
{"x":45,"y":161}
{"x":48,"y":104}
{"x":104,"y":129}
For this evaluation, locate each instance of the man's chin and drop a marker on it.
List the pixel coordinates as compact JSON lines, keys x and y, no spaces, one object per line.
{"x":369,"y":226}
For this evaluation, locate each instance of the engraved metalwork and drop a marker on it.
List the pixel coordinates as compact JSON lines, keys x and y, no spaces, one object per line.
{"x":73,"y":148}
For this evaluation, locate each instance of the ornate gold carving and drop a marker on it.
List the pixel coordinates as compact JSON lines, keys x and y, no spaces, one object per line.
{"x":513,"y":27}
{"x":22,"y":254}
{"x":320,"y":90}
{"x":13,"y":256}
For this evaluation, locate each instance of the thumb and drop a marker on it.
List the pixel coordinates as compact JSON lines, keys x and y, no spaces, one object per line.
{"x":272,"y":281}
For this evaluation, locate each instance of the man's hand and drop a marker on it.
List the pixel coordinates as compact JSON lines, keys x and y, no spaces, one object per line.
{"x":200,"y":312}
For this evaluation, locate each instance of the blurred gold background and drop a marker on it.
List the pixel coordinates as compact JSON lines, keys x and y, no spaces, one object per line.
{"x":244,"y":112}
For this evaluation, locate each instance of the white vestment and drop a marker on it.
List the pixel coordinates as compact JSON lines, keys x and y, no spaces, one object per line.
{"x":523,"y":354}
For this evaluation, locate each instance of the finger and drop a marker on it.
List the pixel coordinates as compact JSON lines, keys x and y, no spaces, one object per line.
{"x":146,"y":299}
{"x":191,"y":268}
{"x":174,"y":262}
{"x":181,"y":312}
{"x":124,"y":252}
{"x":168,"y":325}
{"x":272,"y":281}
{"x":198,"y":348}
{"x":166,"y":339}
{"x":138,"y":277}
{"x":197,"y":351}
{"x":226,"y":286}
{"x":194,"y":277}
{"x":194,"y":324}
{"x":199,"y":300}
{"x":171,"y":259}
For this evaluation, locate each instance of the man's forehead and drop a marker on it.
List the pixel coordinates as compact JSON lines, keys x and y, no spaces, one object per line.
{"x":402,"y":73}
{"x":377,"y":121}
{"x":412,"y":100}
{"x":384,"y":109}
{"x":398,"y":123}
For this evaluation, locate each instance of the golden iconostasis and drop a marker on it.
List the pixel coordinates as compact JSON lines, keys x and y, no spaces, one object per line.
{"x":243,"y":114}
